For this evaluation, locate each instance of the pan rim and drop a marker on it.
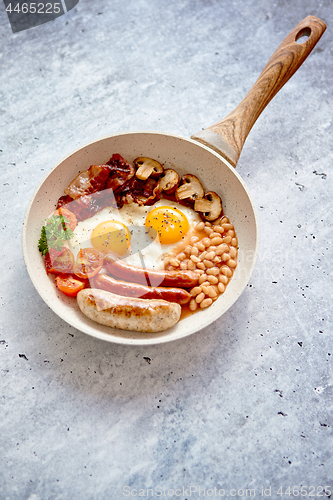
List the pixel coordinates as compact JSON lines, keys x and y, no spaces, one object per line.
{"x":151,"y":340}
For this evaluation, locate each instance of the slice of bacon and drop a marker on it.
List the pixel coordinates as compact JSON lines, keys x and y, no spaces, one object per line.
{"x":120,"y":172}
{"x":85,"y":206}
{"x":90,"y":191}
{"x":88,"y":182}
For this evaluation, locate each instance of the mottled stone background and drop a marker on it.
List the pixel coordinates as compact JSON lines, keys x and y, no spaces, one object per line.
{"x":245,"y":403}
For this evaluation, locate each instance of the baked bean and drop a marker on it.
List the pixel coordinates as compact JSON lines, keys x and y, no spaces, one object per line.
{"x":206,"y":303}
{"x":208,"y":230}
{"x":193,"y":305}
{"x":194,"y":251}
{"x":191,"y":265}
{"x":208,"y":263}
{"x":213,"y":270}
{"x":222,"y":248}
{"x":203,"y":278}
{"x":199,"y":271}
{"x":210,"y":255}
{"x":211,"y":292}
{"x":203,"y":256}
{"x":205,"y":283}
{"x":195,"y":259}
{"x":217,"y":240}
{"x":223,"y":279}
{"x":199,"y":298}
{"x":233,"y":252}
{"x":206,"y":242}
{"x":226,"y":271}
{"x":187,"y":250}
{"x":214,"y":235}
{"x":200,"y":226}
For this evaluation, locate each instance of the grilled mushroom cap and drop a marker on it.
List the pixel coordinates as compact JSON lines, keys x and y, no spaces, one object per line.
{"x":169,"y":181}
{"x":147,"y":167}
{"x":210,"y":206}
{"x":190,"y":189}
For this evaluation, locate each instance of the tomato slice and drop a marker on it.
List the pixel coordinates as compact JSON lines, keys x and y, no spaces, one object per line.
{"x":88,"y":263}
{"x":59,"y":264}
{"x":69,"y":215}
{"x":69,"y":285}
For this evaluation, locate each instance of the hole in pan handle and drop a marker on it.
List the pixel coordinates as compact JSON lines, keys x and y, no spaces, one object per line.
{"x":227,"y":137}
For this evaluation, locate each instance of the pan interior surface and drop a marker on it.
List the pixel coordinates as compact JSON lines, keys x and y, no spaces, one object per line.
{"x":183,"y":155}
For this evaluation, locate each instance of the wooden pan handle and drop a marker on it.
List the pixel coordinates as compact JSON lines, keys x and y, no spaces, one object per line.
{"x":227,"y":137}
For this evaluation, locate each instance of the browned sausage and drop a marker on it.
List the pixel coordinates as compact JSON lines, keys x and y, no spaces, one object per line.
{"x":179,"y":279}
{"x":127,"y":313}
{"x":126,"y":289}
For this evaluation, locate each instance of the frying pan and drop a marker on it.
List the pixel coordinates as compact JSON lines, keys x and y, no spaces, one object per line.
{"x":210,"y":154}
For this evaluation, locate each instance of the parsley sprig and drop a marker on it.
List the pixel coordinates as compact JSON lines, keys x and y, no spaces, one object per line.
{"x":55,"y":232}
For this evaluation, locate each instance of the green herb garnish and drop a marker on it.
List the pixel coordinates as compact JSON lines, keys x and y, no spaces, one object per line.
{"x":55,"y":232}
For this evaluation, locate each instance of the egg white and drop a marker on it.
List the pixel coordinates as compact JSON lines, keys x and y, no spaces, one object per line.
{"x":150,"y":257}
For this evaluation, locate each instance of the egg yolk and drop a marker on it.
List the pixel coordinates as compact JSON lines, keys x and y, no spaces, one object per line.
{"x":170,"y":224}
{"x":111,"y":236}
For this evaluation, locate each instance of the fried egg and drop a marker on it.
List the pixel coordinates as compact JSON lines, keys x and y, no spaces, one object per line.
{"x":141,"y":235}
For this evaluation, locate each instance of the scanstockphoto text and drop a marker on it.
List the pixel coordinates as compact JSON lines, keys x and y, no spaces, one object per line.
{"x":195,"y":492}
{"x":265,"y":267}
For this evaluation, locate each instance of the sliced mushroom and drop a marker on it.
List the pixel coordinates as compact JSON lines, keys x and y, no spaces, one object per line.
{"x":169,"y":181}
{"x":210,"y":206}
{"x":147,"y":167}
{"x":190,"y":189}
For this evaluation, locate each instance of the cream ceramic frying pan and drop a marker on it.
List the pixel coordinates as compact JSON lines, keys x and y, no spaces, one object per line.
{"x":211,"y":154}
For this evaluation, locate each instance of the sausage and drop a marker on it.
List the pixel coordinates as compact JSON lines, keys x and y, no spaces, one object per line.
{"x":120,"y":269}
{"x":178,"y":295}
{"x":128,"y":313}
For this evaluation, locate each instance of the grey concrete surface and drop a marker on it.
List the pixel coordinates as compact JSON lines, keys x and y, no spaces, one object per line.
{"x":244,"y":404}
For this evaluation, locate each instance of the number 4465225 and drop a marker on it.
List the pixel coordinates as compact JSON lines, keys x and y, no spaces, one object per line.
{"x":303,"y":491}
{"x":33,"y":8}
